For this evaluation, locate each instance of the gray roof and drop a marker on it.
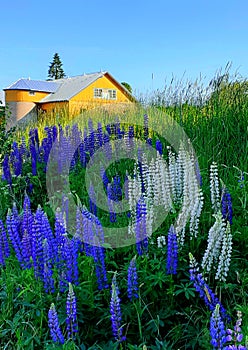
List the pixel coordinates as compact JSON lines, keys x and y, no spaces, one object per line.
{"x":34,"y":85}
{"x":70,"y":87}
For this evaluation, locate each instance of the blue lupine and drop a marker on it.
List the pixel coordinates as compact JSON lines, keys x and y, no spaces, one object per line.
{"x":115,"y":311}
{"x":217,"y":329}
{"x":140,"y":228}
{"x":172,"y":252}
{"x":26,"y":229}
{"x":132,"y":280}
{"x":92,"y":200}
{"x":198,"y":173}
{"x":13,"y":232}
{"x":203,"y":289}
{"x":6,"y":170}
{"x":101,"y":273}
{"x":104,"y":177}
{"x":38,"y":235}
{"x":33,"y":154}
{"x":107,"y":147}
{"x":112,"y":214}
{"x":235,"y":336}
{"x":4,"y":244}
{"x":16,"y":159}
{"x":53,"y":323}
{"x":159,"y":147}
{"x":47,"y":277}
{"x":71,"y":313}
{"x":226,"y":206}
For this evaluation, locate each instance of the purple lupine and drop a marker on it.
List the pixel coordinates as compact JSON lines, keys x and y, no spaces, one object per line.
{"x":217,"y":329}
{"x":112,"y":214}
{"x":226,"y":206}
{"x":13,"y":232}
{"x":140,"y":227}
{"x":104,"y":177}
{"x":16,"y":159}
{"x":198,"y":173}
{"x":33,"y":158}
{"x":47,"y":277}
{"x":53,"y":323}
{"x":115,"y":311}
{"x":71,"y":314}
{"x":6,"y":170}
{"x":92,"y":200}
{"x":107,"y":147}
{"x":203,"y":289}
{"x":38,"y":235}
{"x":98,"y":254}
{"x":159,"y":147}
{"x":4,"y":244}
{"x":26,"y":229}
{"x":235,"y":336}
{"x":132,"y":280}
{"x":172,"y":252}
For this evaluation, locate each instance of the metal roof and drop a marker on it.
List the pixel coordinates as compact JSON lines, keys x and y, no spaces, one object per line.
{"x":34,"y":85}
{"x":69,"y":87}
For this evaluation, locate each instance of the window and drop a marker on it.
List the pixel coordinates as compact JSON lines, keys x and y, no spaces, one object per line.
{"x":112,"y":94}
{"x":32,"y":93}
{"x":106,"y":94}
{"x":97,"y":93}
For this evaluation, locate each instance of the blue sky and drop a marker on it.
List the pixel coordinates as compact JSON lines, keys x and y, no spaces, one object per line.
{"x":133,"y":40}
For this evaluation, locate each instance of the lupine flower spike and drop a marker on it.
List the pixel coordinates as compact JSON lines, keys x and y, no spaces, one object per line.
{"x":53,"y":324}
{"x":217,"y":329}
{"x":115,"y":311}
{"x":71,"y":312}
{"x":172,"y":252}
{"x":132,"y":280}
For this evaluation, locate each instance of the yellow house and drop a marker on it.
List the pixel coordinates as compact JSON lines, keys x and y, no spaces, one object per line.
{"x":26,"y":97}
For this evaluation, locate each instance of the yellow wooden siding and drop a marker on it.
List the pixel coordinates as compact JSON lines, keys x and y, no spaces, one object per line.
{"x":54,"y":106}
{"x":24,"y":96}
{"x":87,"y":95}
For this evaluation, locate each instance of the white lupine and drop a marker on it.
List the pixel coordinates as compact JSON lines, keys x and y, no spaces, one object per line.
{"x":215,"y":237}
{"x":180,"y":173}
{"x":225,"y":255}
{"x":172,"y":172}
{"x":161,"y":241}
{"x":165,"y":194}
{"x":214,"y":187}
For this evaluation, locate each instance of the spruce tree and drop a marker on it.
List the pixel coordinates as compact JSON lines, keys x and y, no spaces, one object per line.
{"x":55,"y":70}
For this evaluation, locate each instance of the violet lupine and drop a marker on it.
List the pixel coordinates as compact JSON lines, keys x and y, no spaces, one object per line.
{"x":140,"y":227}
{"x":16,"y":159}
{"x":47,"y":277}
{"x":217,"y":329}
{"x":235,"y":336}
{"x":132,"y":280}
{"x":33,"y":154}
{"x":112,"y":214}
{"x":92,"y":200}
{"x":172,"y":252}
{"x":38,"y":235}
{"x":115,"y":312}
{"x":26,"y":229}
{"x":159,"y":147}
{"x":210,"y":299}
{"x":6,"y":170}
{"x":71,"y":314}
{"x":53,"y":323}
{"x":4,"y":244}
{"x":12,"y":225}
{"x":226,"y":206}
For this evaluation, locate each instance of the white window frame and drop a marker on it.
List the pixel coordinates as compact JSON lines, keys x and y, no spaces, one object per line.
{"x":105,"y":94}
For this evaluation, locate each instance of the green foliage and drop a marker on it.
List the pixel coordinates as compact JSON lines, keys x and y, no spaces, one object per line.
{"x":168,"y":313}
{"x":127,"y":86}
{"x":55,"y":70}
